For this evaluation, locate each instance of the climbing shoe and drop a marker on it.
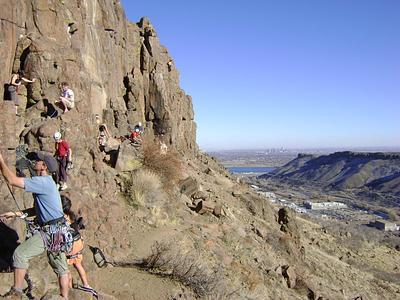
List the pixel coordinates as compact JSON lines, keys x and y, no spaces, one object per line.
{"x":12,"y":294}
{"x":87,"y":289}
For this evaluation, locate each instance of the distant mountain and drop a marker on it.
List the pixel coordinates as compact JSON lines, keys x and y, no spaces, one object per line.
{"x":345,"y":170}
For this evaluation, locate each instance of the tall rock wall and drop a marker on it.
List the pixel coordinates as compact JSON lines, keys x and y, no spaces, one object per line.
{"x":120,"y":74}
{"x":117,"y":69}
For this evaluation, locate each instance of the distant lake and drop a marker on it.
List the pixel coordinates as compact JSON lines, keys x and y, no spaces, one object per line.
{"x":249,"y":170}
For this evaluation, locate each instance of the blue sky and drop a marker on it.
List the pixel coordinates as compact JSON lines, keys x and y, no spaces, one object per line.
{"x":287,"y":73}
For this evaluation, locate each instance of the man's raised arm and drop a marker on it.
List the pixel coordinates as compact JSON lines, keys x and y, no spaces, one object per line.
{"x":11,"y":178}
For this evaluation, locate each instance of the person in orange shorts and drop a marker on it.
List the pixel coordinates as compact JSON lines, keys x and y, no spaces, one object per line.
{"x":75,"y":257}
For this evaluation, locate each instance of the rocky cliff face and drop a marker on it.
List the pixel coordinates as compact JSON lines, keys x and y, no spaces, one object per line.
{"x":118,"y":70}
{"x":120,"y":74}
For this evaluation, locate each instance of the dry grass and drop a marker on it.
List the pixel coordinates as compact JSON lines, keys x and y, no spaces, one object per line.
{"x":168,"y":166}
{"x":143,"y":188}
{"x":166,"y":260}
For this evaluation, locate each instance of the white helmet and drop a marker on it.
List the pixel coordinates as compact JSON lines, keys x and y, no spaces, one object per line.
{"x":57,"y":136}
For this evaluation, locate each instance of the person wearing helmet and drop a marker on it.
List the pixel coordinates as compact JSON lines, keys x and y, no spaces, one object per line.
{"x":135,"y":137}
{"x":63,"y":156}
{"x":140,"y":127}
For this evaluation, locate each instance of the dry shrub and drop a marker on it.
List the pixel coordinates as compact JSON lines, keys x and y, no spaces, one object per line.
{"x":187,"y":269}
{"x":168,"y":166}
{"x":143,"y":188}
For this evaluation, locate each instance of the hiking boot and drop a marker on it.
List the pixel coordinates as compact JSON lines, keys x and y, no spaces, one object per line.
{"x":12,"y":294}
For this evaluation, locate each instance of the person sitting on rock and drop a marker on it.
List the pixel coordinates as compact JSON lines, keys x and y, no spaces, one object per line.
{"x":104,"y":136}
{"x":163,"y":146}
{"x":67,"y":98}
{"x":15,"y":82}
{"x":75,"y":257}
{"x":63,"y":155}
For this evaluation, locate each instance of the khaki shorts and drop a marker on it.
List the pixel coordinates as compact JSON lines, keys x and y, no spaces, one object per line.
{"x":70,"y":104}
{"x":33,"y":247}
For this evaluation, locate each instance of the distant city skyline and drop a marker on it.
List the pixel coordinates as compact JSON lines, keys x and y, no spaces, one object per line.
{"x":292,"y":74}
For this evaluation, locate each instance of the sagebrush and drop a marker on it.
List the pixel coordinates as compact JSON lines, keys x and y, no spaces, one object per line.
{"x":143,"y":188}
{"x":167,"y":165}
{"x":185,"y":268}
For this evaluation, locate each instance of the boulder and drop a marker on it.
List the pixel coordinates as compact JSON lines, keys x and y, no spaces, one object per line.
{"x":127,"y":158}
{"x":204,"y":206}
{"x":236,"y":193}
{"x":8,"y":134}
{"x":261,"y":232}
{"x":290,"y":275}
{"x":200,"y":195}
{"x":188,"y":186}
{"x":218,"y":210}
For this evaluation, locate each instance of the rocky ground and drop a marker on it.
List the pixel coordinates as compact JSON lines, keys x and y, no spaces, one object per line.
{"x":256,"y":252}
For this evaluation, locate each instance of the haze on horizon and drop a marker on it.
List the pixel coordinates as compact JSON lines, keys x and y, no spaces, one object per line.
{"x":292,"y":74}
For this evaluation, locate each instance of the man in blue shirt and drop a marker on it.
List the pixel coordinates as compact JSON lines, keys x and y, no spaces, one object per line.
{"x":48,"y":209}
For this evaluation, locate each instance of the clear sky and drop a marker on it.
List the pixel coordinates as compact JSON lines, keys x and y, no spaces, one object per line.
{"x":287,"y":73}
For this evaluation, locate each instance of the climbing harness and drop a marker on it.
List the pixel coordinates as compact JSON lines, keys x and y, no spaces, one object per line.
{"x":31,"y":226}
{"x":75,"y":255}
{"x":57,"y":236}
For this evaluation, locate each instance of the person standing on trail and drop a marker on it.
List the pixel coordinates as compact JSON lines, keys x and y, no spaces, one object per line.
{"x":15,"y":82}
{"x":75,"y":257}
{"x":63,"y":156}
{"x":48,"y":210}
{"x":67,"y":98}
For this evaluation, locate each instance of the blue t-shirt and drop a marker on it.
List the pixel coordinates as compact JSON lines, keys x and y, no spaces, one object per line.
{"x":47,"y":198}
